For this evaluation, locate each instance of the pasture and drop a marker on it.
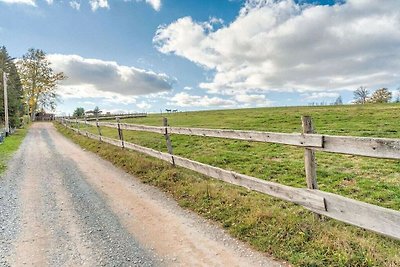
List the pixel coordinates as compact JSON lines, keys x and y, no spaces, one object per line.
{"x":281,"y":229}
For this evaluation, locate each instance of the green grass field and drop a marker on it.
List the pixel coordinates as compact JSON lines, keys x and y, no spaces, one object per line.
{"x":9,"y":146}
{"x":281,"y":229}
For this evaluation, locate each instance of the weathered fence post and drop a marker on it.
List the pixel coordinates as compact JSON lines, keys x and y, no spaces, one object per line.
{"x":120,"y":134}
{"x":168,"y":140}
{"x":77,"y":124}
{"x":310,"y":164}
{"x":98,"y":128}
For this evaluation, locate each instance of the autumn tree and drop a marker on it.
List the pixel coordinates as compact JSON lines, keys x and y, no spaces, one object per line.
{"x":14,"y":92}
{"x":382,"y":95}
{"x":79,"y":112}
{"x":361,"y":95}
{"x":39,"y":81}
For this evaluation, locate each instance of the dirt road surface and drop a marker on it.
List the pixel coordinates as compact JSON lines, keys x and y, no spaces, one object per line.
{"x":63,"y":206}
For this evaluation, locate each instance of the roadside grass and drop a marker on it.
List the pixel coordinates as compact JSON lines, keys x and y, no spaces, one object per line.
{"x":9,"y":146}
{"x":281,"y":229}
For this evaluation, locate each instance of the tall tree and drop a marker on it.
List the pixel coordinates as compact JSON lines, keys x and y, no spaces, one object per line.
{"x":382,"y":95}
{"x":39,"y":81}
{"x":79,"y":112}
{"x":361,"y":95}
{"x":14,"y":92}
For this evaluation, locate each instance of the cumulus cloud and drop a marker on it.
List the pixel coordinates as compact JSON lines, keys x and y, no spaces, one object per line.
{"x":98,"y":78}
{"x":185,"y":100}
{"x":22,"y":2}
{"x":96,"y":4}
{"x":143,"y":105}
{"x":75,"y":5}
{"x":253,"y":100}
{"x":320,"y":95}
{"x":88,"y":91}
{"x":287,"y":46}
{"x":156,"y":4}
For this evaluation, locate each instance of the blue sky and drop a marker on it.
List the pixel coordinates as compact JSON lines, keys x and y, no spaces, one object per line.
{"x":154,"y":54}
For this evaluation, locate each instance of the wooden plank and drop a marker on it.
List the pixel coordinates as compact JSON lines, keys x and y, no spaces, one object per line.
{"x":122,"y":116}
{"x":296,"y":195}
{"x":309,"y":140}
{"x":371,"y":217}
{"x":363,"y":146}
{"x":109,"y":124}
{"x":134,"y":127}
{"x":111,"y":141}
{"x":150,"y":152}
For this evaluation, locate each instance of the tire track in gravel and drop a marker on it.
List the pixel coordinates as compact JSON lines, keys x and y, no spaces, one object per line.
{"x":33,"y":239}
{"x":181,"y":238}
{"x":9,"y":215}
{"x":62,"y":206}
{"x":59,"y":220}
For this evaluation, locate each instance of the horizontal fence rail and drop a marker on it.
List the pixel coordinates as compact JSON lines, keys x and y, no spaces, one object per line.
{"x":368,"y":216}
{"x":109,"y":116}
{"x":387,"y":148}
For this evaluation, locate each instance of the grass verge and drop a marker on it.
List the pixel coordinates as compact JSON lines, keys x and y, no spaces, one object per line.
{"x":283,"y":230}
{"x":9,"y":146}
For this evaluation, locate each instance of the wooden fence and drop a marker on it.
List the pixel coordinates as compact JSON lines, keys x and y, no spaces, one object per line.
{"x":109,"y":116}
{"x":378,"y":219}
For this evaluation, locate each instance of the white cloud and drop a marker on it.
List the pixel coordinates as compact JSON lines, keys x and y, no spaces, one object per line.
{"x":285,"y":46}
{"x":321,"y":95}
{"x":49,"y":2}
{"x":143,"y":105}
{"x":75,"y":5}
{"x":98,"y":78}
{"x":22,"y":2}
{"x":187,"y":88}
{"x":89,"y":103}
{"x":156,"y":4}
{"x":96,"y":4}
{"x":88,"y":91}
{"x":253,"y":100}
{"x":185,"y":100}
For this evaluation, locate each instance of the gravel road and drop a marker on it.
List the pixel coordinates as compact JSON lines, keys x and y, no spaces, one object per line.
{"x":63,"y":206}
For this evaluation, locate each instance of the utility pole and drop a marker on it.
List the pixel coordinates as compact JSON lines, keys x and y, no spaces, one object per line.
{"x":6,"y":124}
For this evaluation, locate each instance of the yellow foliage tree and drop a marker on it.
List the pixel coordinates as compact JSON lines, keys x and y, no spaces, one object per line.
{"x":382,"y":95}
{"x":39,"y":81}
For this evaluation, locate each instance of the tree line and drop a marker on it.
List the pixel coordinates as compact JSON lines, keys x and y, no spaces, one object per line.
{"x":363,"y":96}
{"x":31,"y":85}
{"x":382,"y":95}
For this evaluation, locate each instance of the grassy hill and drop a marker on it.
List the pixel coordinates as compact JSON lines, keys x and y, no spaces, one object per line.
{"x":282,"y":229}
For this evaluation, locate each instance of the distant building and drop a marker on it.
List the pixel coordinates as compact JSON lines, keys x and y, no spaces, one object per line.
{"x":44,"y":116}
{"x":90,"y":113}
